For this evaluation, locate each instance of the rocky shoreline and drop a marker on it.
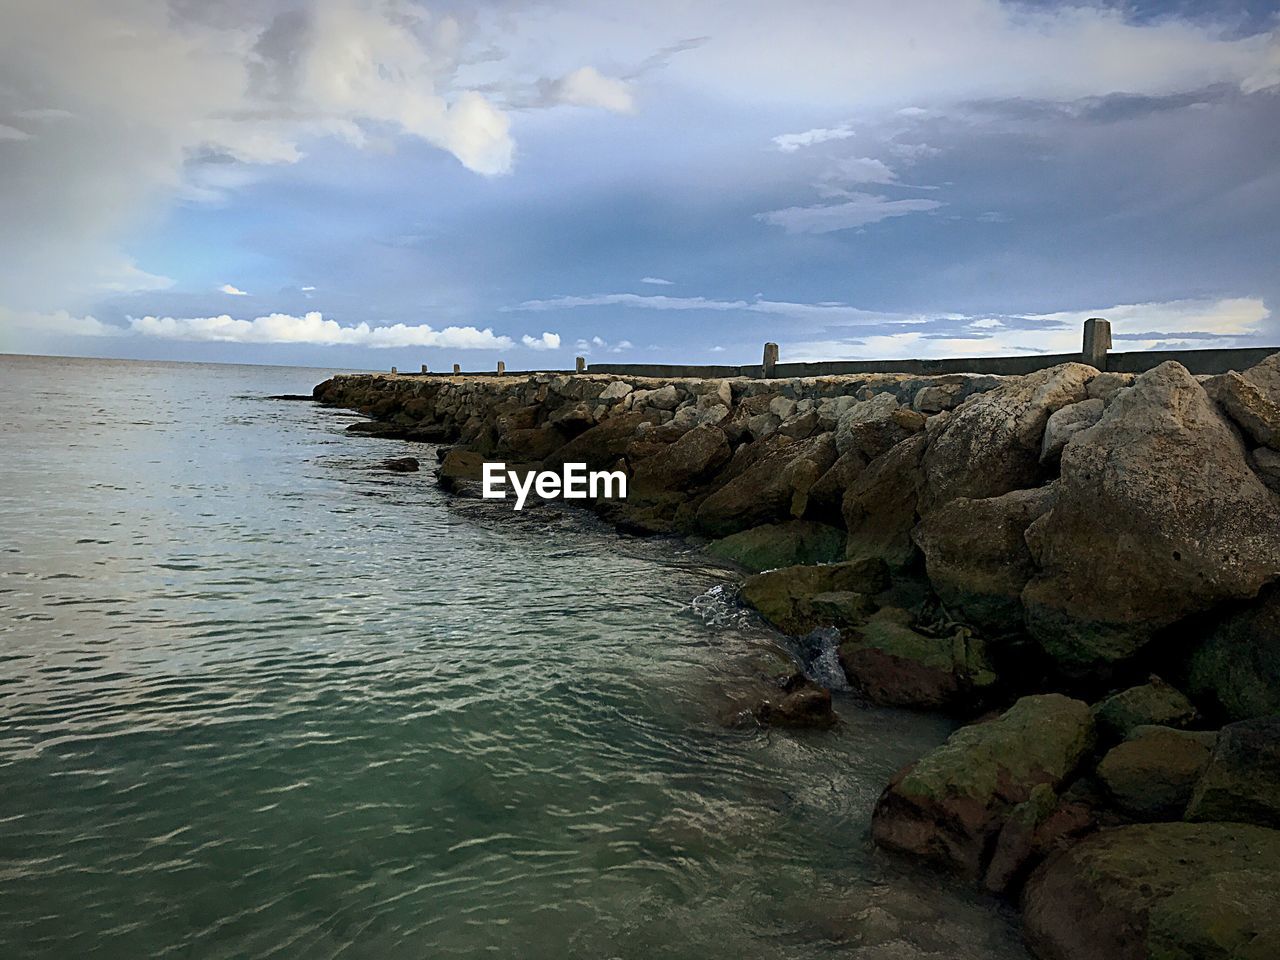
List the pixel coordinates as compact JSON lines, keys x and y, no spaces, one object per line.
{"x":1084,"y":566}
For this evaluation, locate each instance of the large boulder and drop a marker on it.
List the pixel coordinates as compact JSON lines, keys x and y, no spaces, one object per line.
{"x":977,"y":559}
{"x":1157,"y":516}
{"x":1242,"y":780}
{"x":1153,"y":702}
{"x":1237,"y":667}
{"x":892,"y":664}
{"x":825,"y":501}
{"x":1127,"y":894}
{"x":773,"y":486}
{"x":880,"y":505}
{"x":948,"y":806}
{"x":602,"y":445}
{"x":1257,"y":414}
{"x":991,"y":443}
{"x":1151,"y":775}
{"x":781,"y":545}
{"x":874,"y":426}
{"x":785,"y":597}
{"x":683,"y":464}
{"x":1065,"y":424}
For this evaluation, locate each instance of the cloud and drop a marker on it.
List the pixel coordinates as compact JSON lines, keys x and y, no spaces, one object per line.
{"x":548,"y":341}
{"x":601,"y":345}
{"x":859,"y":210}
{"x":56,"y":323}
{"x":791,"y":142}
{"x":587,"y":87}
{"x":122,"y":275}
{"x":656,"y":281}
{"x":12,"y":133}
{"x":826,"y":312}
{"x":231,"y":291}
{"x":860,"y":170}
{"x":312,"y":328}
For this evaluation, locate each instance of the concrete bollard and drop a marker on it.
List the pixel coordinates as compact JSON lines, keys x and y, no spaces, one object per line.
{"x":424,"y":368}
{"x":502,"y":368}
{"x":393,"y":370}
{"x":1097,"y":341}
{"x":770,"y":359}
{"x":457,"y":369}
{"x":581,"y":364}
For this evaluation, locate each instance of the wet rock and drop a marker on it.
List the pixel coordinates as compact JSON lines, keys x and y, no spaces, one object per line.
{"x":948,"y":807}
{"x":781,"y":545}
{"x":1237,"y":668}
{"x":1157,"y":516}
{"x":977,"y":559}
{"x":1154,"y":702}
{"x":400,"y":465}
{"x":892,"y":664}
{"x":1065,"y":423}
{"x":1242,"y":781}
{"x":1257,"y":414}
{"x":880,"y":505}
{"x":378,"y":428}
{"x":990,"y":444}
{"x":804,"y":705}
{"x":783,"y":597}
{"x":873,"y":427}
{"x":460,"y":466}
{"x":1151,"y":775}
{"x":685,"y":463}
{"x":1123,"y":894}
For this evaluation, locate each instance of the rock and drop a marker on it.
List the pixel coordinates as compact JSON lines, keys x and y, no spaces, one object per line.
{"x":602,"y":445}
{"x":781,"y":545}
{"x":801,"y":426}
{"x":1154,"y":702}
{"x":990,"y":444}
{"x":1015,"y":844}
{"x":763,"y":425}
{"x":1064,"y":424}
{"x":460,"y":466}
{"x":826,"y":497}
{"x":873,"y":427}
{"x":683,"y":464}
{"x":948,"y":807}
{"x":880,"y":505}
{"x":1151,"y":775}
{"x":1266,"y":376}
{"x":1157,"y":516}
{"x":838,"y":608}
{"x":1105,"y":385}
{"x":892,"y":664}
{"x":573,"y":419}
{"x":977,"y":558}
{"x":782,"y":407}
{"x":772,"y":484}
{"x":1242,"y":780}
{"x":783,"y":596}
{"x":1266,"y":464}
{"x":664,"y":398}
{"x":804,"y":705}
{"x":1252,"y":410}
{"x":616,"y":390}
{"x":398,"y":464}
{"x":1237,"y":668}
{"x":532,"y":443}
{"x":1122,"y":894}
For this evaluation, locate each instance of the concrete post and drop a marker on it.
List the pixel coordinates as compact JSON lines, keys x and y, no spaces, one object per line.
{"x":424,"y":368}
{"x":502,"y":368}
{"x":393,"y":369}
{"x":1097,"y":341}
{"x":770,"y":359}
{"x":580,"y":363}
{"x":457,"y":369}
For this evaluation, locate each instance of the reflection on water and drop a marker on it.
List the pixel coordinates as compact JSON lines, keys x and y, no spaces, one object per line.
{"x":257,"y":699}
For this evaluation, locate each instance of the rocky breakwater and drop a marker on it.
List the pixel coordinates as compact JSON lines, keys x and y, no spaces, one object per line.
{"x":1082,"y":567}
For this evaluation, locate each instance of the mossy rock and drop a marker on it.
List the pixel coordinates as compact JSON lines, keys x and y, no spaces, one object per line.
{"x":784,"y":597}
{"x":1151,"y":775}
{"x":1155,"y":702}
{"x":776,"y":545}
{"x":1242,"y":781}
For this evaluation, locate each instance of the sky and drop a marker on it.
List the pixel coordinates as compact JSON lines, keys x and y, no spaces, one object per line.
{"x":369,"y":183}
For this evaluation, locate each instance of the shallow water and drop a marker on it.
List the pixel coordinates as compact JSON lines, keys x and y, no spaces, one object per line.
{"x":257,"y":700}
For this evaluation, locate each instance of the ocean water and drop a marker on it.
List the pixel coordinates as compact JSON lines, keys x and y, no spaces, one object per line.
{"x":259,"y":700}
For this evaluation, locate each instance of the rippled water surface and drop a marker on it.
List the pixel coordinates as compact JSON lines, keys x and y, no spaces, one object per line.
{"x":258,"y":700}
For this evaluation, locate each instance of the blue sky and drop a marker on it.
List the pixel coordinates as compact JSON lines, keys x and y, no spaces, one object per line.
{"x":362,"y":183}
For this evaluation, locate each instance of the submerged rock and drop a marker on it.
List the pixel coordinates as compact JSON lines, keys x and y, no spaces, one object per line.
{"x":1157,"y":516}
{"x":1152,"y":774}
{"x":948,"y":806}
{"x":1242,"y":781}
{"x":892,"y":664}
{"x":399,"y":465}
{"x":776,"y":545}
{"x":803,"y":705}
{"x":1165,"y":890}
{"x":785,"y":597}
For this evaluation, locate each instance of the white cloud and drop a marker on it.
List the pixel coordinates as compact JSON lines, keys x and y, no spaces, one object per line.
{"x":601,"y":345}
{"x":58,"y":323}
{"x":313,"y":328}
{"x":232,"y":291}
{"x":122,"y":275}
{"x":859,"y":210}
{"x":860,"y":170}
{"x":657,"y":281}
{"x":588,"y":87}
{"x":12,"y":133}
{"x":548,"y":341}
{"x":791,"y":142}
{"x":826,"y":312}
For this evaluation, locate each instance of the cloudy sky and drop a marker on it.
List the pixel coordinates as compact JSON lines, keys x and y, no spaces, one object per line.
{"x":362,"y":183}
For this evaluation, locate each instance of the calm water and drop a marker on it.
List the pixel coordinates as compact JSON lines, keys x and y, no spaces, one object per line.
{"x":257,"y":700}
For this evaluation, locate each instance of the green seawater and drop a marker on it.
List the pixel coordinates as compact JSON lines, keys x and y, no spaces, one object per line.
{"x":258,"y":700}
